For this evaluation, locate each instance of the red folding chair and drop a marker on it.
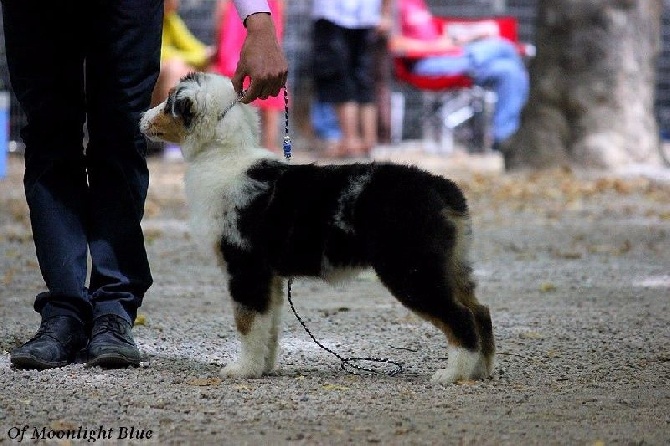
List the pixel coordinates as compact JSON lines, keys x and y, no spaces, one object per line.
{"x":451,"y":101}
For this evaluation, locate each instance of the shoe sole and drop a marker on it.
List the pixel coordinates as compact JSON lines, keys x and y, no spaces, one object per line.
{"x":31,"y":362}
{"x":112,"y":361}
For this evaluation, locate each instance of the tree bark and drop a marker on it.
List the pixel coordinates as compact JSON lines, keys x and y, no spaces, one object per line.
{"x":592,"y":86}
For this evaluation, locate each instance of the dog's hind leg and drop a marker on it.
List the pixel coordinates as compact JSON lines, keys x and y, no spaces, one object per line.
{"x":459,"y":272}
{"x":421,"y":285}
{"x":434,"y":280}
{"x":464,"y":293}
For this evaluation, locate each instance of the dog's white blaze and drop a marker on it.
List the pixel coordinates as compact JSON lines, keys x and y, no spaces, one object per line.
{"x":348,"y":199}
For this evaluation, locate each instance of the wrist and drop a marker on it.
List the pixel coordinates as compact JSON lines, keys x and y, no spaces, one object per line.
{"x":257,"y":20}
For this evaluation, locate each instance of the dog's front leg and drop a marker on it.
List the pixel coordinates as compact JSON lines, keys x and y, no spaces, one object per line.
{"x":276,"y":304}
{"x":254,"y":330}
{"x":252,"y":288}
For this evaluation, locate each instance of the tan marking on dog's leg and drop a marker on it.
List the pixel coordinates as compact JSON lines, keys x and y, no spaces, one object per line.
{"x":462,"y":363}
{"x":276,"y":304}
{"x":460,"y":272}
{"x":216,"y":247}
{"x":465,"y":294}
{"x":254,"y":330}
{"x":485,"y":332}
{"x":244,"y":319}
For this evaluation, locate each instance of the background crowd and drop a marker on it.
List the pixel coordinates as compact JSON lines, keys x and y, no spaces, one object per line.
{"x":353,"y":43}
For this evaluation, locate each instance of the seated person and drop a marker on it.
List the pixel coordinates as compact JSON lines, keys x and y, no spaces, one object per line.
{"x":477,"y":51}
{"x":181,"y":53}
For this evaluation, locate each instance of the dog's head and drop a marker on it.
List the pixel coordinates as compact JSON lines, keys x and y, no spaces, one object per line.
{"x":202,"y":110}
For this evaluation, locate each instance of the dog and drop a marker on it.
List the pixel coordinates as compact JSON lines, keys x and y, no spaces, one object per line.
{"x":266,"y":220}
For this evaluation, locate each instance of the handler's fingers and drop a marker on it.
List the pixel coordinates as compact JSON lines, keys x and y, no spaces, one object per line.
{"x":252,"y":92}
{"x":238,"y":80}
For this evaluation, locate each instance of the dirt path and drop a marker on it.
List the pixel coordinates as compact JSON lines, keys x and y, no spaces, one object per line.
{"x":575,"y":268}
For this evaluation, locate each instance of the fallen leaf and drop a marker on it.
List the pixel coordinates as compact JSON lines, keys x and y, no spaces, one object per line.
{"x":547,"y":287}
{"x":140,"y":319}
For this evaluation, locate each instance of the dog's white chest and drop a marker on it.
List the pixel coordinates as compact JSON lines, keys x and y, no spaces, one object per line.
{"x":215,"y":193}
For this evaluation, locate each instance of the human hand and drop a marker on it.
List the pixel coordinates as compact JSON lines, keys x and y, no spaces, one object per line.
{"x":261,"y":59}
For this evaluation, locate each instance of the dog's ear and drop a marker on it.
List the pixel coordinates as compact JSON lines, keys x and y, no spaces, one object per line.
{"x":181,"y":106}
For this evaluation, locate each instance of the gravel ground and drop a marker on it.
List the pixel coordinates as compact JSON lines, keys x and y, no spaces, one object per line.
{"x":574,"y":265}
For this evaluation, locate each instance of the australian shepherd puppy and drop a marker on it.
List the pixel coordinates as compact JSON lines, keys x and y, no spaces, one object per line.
{"x":266,"y":220}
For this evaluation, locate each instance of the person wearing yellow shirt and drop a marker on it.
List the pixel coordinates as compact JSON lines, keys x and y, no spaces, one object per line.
{"x":181,"y":52}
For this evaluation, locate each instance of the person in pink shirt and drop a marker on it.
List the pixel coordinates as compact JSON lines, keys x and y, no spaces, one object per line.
{"x":492,"y":61}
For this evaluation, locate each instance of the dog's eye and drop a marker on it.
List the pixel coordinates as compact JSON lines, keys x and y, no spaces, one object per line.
{"x":169,"y":105}
{"x":183,"y":108}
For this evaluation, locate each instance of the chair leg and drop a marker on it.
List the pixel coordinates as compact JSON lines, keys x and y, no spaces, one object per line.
{"x":397,"y":116}
{"x":435,"y":137}
{"x":490,"y":99}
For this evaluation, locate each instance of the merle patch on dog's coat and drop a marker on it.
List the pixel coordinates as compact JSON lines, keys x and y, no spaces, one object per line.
{"x":266,"y":220}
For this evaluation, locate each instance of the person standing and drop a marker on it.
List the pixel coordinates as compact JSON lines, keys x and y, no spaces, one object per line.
{"x":343,"y":34}
{"x":97,"y":65}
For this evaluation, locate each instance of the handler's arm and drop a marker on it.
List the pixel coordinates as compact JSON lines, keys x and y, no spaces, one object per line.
{"x":262,"y":58}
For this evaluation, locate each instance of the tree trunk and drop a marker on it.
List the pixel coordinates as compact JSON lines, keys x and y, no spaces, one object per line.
{"x":592,"y":86}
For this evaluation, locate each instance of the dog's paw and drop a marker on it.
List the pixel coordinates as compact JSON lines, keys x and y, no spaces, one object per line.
{"x":270,"y":361}
{"x":463,"y":365}
{"x":446,"y":376}
{"x":269,"y":367}
{"x":241,"y":370}
{"x":484,"y":368}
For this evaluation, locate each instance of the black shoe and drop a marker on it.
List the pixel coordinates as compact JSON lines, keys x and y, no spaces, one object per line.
{"x":55,"y":344}
{"x":112,"y":344}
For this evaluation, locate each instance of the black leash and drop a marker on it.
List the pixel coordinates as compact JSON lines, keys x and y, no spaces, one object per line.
{"x":348,"y":364}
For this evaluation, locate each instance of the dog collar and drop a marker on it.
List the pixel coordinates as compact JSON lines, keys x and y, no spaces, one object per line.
{"x":232,"y":104}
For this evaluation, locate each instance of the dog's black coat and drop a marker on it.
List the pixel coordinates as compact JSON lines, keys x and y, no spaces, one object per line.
{"x":382,"y":215}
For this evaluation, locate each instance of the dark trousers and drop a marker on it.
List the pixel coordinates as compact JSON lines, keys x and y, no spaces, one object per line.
{"x":75,"y":65}
{"x":342,"y":63}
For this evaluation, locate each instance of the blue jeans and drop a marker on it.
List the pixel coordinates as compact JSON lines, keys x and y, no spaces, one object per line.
{"x":494,"y":63}
{"x":324,"y":121}
{"x":99,"y":69}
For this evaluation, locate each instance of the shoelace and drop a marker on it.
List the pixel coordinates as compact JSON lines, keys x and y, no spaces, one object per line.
{"x":109,"y":324}
{"x":46,"y":330}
